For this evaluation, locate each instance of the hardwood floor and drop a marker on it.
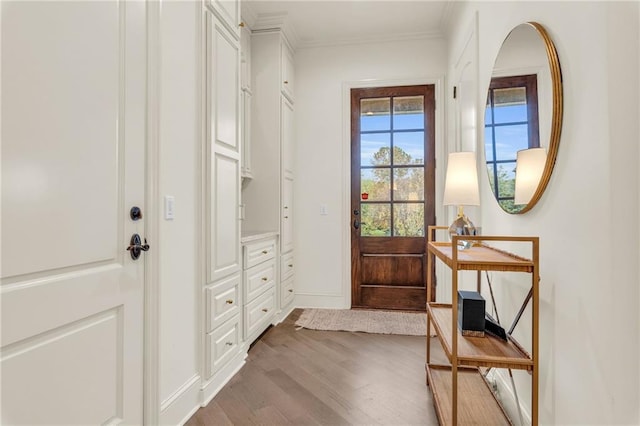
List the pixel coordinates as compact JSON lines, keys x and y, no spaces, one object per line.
{"x":308,"y":377}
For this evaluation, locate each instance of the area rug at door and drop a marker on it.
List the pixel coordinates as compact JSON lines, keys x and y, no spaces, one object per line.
{"x":368,"y":321}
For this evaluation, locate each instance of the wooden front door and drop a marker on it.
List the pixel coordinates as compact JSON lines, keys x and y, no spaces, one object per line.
{"x":392,"y":195}
{"x":73,"y":165}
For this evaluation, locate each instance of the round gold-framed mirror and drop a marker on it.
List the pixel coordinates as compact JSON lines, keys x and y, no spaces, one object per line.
{"x":523,"y":118}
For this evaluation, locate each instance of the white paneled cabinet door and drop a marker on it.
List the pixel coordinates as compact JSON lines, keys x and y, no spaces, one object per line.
{"x":73,"y":143}
{"x":223,"y":89}
{"x":286,"y":238}
{"x":287,"y":71}
{"x":229,"y":12}
{"x":287,"y":137}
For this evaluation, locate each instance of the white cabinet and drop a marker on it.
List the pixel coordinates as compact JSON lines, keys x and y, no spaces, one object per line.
{"x":260,"y":275}
{"x":287,"y":70}
{"x":245,"y":58}
{"x":222,"y":345}
{"x":223,"y":288}
{"x":287,"y":266}
{"x":268,"y":197}
{"x":228,"y":12}
{"x":224,"y":301}
{"x":287,"y":137}
{"x":286,"y":226}
{"x":245,"y":110}
{"x":223,"y":151}
{"x":246,"y":134}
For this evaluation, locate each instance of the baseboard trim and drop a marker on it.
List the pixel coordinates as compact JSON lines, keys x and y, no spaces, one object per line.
{"x":508,"y":398}
{"x":283,"y":314}
{"x":184,"y":400}
{"x":320,"y":301}
{"x":211,"y":388}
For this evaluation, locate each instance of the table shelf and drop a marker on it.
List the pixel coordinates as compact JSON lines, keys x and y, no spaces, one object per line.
{"x":488,"y":351}
{"x":477,"y":405}
{"x":460,"y":392}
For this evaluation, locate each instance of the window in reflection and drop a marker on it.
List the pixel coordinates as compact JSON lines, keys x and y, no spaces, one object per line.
{"x":511,"y":124}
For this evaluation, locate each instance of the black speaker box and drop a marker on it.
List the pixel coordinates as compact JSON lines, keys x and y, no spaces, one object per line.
{"x":471,"y":310}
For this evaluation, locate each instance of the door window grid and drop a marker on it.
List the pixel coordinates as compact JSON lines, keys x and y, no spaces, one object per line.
{"x":399,"y":210}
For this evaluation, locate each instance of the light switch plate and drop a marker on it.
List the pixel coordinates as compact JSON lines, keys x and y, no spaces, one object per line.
{"x":169,"y":207}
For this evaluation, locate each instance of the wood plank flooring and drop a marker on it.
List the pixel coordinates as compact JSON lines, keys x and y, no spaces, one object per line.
{"x":308,"y":377}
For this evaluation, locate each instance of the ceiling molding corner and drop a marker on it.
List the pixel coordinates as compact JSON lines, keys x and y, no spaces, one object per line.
{"x":249,"y":17}
{"x":277,"y":21}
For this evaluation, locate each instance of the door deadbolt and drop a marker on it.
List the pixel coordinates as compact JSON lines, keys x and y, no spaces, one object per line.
{"x":136,"y":246}
{"x":135,"y":213}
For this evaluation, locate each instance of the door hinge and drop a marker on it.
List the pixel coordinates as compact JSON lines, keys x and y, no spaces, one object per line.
{"x":455,"y":92}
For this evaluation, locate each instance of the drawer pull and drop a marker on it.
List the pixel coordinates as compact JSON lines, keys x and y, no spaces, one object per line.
{"x":286,"y":207}
{"x":265,"y":310}
{"x":286,"y":217}
{"x":264,"y":278}
{"x":230,"y":302}
{"x":229,"y":343}
{"x":241,"y":24}
{"x":286,"y":82}
{"x":264,"y":252}
{"x":290,"y":290}
{"x":290,"y":265}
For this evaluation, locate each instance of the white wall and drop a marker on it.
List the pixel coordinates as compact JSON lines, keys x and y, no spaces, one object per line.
{"x":587,"y":218}
{"x":179,"y":141}
{"x":320,"y":164}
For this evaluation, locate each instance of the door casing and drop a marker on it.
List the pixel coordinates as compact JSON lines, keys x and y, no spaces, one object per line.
{"x":438,"y":81}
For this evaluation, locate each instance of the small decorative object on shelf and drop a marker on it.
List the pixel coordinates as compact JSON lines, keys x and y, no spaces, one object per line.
{"x":493,"y":328}
{"x":471,"y":311}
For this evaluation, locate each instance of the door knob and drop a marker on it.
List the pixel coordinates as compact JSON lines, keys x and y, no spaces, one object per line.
{"x":136,"y":246}
{"x":356,"y":224}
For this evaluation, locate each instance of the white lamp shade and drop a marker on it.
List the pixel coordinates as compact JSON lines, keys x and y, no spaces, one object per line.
{"x":529,"y":167}
{"x":461,"y":183}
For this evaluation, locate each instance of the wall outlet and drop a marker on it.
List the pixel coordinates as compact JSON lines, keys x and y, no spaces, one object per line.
{"x":323,"y":210}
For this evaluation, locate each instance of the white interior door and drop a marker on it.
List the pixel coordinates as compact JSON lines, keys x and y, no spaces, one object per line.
{"x":73,"y":144}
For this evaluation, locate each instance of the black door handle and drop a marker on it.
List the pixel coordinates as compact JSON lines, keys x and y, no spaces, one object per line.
{"x":356,"y":224}
{"x":136,"y":246}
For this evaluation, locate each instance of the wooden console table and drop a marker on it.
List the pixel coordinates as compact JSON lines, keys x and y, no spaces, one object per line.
{"x":460,"y":392}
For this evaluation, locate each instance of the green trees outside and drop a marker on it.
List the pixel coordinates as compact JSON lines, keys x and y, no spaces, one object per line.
{"x":408,"y":185}
{"x":506,"y":187}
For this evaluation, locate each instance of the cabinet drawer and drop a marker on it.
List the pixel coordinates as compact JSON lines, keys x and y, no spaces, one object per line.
{"x":223,"y":301}
{"x":258,"y":314}
{"x":258,"y":252}
{"x":288,"y":292}
{"x":222,"y":345}
{"x":286,"y":265}
{"x":258,"y":279}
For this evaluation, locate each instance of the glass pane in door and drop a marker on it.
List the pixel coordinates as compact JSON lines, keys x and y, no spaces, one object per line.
{"x":376,"y":220}
{"x":375,"y":114}
{"x":408,"y":219}
{"x":408,"y":112}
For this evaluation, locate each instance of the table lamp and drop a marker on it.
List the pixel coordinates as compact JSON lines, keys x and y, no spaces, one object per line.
{"x":529,"y":167}
{"x":461,"y":189}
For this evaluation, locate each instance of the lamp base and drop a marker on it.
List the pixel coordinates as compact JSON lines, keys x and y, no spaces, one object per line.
{"x":462,"y":226}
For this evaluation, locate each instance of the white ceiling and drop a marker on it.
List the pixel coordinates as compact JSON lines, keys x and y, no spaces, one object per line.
{"x":317,"y":22}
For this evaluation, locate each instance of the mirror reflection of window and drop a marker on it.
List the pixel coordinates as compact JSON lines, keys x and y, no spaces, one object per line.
{"x":511,"y":124}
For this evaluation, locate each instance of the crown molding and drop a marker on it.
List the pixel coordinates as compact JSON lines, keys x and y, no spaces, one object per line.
{"x":446,"y":17}
{"x":268,"y":22}
{"x":249,"y":17}
{"x":430,"y":35}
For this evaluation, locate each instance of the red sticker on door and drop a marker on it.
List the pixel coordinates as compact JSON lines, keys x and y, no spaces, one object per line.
{"x":365,"y":195}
